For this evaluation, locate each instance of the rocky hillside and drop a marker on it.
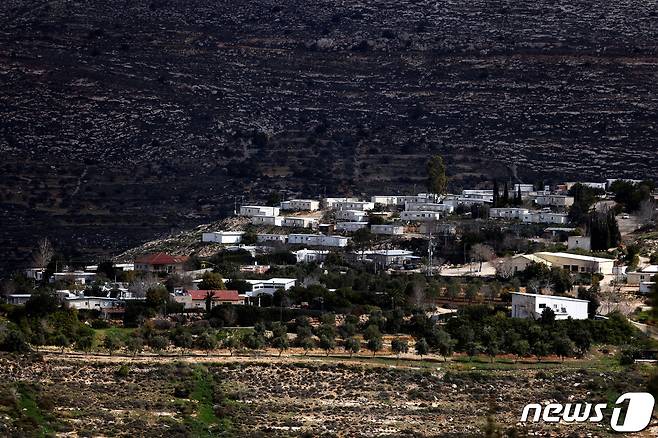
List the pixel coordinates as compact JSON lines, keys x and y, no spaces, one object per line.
{"x":122,"y":120}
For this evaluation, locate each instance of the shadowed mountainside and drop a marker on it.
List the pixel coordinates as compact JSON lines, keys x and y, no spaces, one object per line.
{"x":121,"y":120}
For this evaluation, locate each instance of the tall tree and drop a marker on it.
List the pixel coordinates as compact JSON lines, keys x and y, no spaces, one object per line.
{"x":43,"y":253}
{"x":437,"y":181}
{"x":496,"y":193}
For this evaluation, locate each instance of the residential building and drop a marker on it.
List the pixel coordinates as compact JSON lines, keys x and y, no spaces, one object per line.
{"x":17,"y":299}
{"x":258,"y":210}
{"x":351,"y":215}
{"x":524,"y":188}
{"x":255,"y":269}
{"x":276,"y":221}
{"x":429,"y":206}
{"x":272,"y":238}
{"x":591,"y":185}
{"x":518,"y":263}
{"x":354,"y":205}
{"x":225,"y":237}
{"x":420,"y":216}
{"x":104,"y":305}
{"x":331,"y":202}
{"x":531,"y":306}
{"x":269,"y":286}
{"x":196,"y":299}
{"x":385,"y":200}
{"x":545,"y":217}
{"x":77,"y":277}
{"x":349,"y":227}
{"x":508,"y":213}
{"x":480,"y":195}
{"x":387,"y":257}
{"x":299,"y":222}
{"x":35,"y":274}
{"x":160,"y":263}
{"x":317,"y":240}
{"x":562,"y":201}
{"x":578,"y":263}
{"x":388,"y":229}
{"x":311,"y":255}
{"x":642,"y":275}
{"x":300,"y":205}
{"x":579,"y":242}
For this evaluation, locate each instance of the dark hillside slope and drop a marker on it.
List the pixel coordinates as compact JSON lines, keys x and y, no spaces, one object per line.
{"x":121,"y":119}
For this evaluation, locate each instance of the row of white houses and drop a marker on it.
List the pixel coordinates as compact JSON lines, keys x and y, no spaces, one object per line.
{"x":528,"y":216}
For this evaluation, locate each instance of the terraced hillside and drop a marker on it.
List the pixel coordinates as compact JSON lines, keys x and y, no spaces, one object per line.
{"x":122,"y":119}
{"x":92,"y":396}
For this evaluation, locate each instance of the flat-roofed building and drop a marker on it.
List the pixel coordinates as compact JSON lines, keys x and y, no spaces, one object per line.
{"x":351,"y":215}
{"x":276,"y":221}
{"x":420,"y":216}
{"x":350,"y":227}
{"x":355,"y":205}
{"x":299,"y":222}
{"x":258,"y":210}
{"x":578,"y":263}
{"x":317,"y":240}
{"x":226,"y":237}
{"x":300,"y":205}
{"x":387,"y":229}
{"x":531,"y":306}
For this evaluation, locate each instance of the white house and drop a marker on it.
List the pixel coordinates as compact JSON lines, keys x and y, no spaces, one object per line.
{"x":591,"y":185}
{"x":91,"y":303}
{"x":388,"y":229}
{"x":524,"y":188}
{"x":581,"y":242}
{"x":271,"y":238}
{"x":351,"y":215}
{"x":480,"y":195}
{"x":508,"y":213}
{"x":17,"y":299}
{"x":385,"y":200}
{"x":387,"y":257}
{"x":331,"y":202}
{"x":300,"y":205}
{"x":429,"y":206}
{"x":77,"y":277}
{"x":317,"y":240}
{"x":269,"y":286}
{"x":226,"y":237}
{"x":563,"y":201}
{"x":578,"y":263}
{"x":545,"y":217}
{"x":532,"y":306}
{"x":35,"y":274}
{"x":258,"y":210}
{"x":354,"y":205}
{"x":420,"y":216}
{"x":277,"y":221}
{"x":350,"y":227}
{"x":641,"y":275}
{"x":311,"y":255}
{"x":299,"y":222}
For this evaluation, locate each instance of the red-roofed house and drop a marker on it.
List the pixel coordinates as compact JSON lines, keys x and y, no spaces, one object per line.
{"x":196,"y":299}
{"x":160,"y":262}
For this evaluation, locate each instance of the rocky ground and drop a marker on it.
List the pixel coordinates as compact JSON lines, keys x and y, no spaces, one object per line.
{"x":285,"y":397}
{"x":123,"y":120}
